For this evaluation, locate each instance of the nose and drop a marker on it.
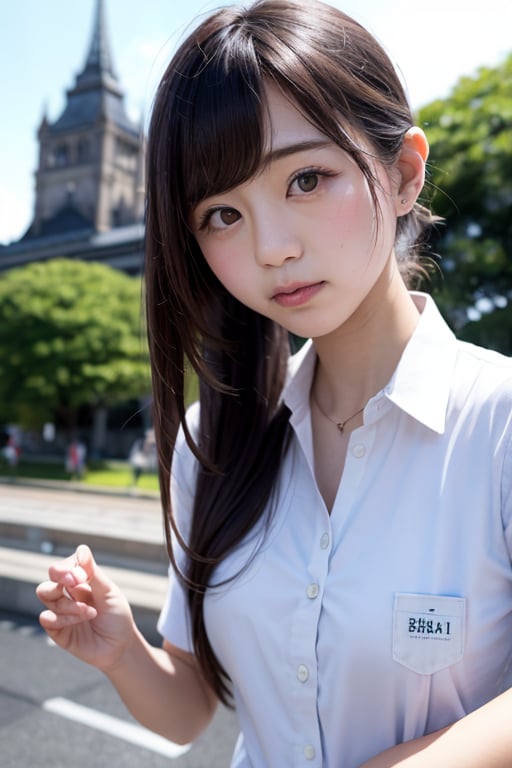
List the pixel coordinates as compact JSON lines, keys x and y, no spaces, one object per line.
{"x":276,"y":238}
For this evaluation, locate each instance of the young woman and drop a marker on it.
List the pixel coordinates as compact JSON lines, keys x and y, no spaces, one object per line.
{"x":339,"y":522}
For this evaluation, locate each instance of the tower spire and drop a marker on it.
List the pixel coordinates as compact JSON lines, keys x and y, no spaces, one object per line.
{"x":92,"y":149}
{"x":99,"y":53}
{"x":98,"y":68}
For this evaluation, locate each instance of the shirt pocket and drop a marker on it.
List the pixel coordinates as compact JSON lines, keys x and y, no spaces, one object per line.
{"x":428,"y":631}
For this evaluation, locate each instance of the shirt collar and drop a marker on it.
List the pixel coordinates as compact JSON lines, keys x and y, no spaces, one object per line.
{"x":420,"y":385}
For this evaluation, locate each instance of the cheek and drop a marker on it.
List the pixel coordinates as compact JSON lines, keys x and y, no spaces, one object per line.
{"x":227,"y":268}
{"x":351,"y":223}
{"x":214,"y":259}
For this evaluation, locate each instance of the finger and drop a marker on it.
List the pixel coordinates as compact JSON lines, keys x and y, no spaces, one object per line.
{"x":68,"y":571}
{"x":97,"y":580}
{"x":81,"y":577}
{"x":50,"y":593}
{"x":56,"y":602}
{"x":77,"y":613}
{"x":64,"y":612}
{"x":82,"y":593}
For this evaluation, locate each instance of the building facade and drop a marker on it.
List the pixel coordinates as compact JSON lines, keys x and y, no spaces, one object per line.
{"x":89,"y":183}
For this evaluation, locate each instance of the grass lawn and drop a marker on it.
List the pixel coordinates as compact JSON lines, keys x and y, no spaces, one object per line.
{"x":113,"y":474}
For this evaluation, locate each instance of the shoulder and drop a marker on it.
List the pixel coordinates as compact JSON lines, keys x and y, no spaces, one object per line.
{"x":192,"y":419}
{"x":486,"y":373}
{"x":481,"y":393}
{"x":184,"y":469}
{"x":484,"y":357}
{"x":183,"y":458}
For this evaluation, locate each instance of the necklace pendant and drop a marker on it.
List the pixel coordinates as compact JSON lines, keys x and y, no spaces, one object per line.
{"x":341,"y":426}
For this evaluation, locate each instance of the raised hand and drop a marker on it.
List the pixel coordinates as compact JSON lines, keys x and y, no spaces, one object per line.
{"x":86,"y":614}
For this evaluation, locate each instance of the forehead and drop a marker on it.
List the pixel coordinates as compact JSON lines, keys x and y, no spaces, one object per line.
{"x":283,"y":123}
{"x":285,"y":126}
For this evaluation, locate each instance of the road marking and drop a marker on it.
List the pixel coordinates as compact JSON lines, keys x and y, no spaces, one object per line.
{"x":121,"y":729}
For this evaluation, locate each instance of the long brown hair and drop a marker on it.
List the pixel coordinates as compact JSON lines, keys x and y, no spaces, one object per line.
{"x":207,"y":135}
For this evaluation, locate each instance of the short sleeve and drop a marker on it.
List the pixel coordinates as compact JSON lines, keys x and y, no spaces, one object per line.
{"x":506,"y":494}
{"x":174,"y":621}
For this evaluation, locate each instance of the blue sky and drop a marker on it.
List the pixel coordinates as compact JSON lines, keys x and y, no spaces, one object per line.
{"x":43,"y":44}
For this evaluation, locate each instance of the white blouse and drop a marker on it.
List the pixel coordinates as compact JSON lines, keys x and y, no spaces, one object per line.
{"x":391,"y":617}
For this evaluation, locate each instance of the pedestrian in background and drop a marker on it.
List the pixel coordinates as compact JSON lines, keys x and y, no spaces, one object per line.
{"x":137,"y":459}
{"x":76,"y":459}
{"x":142,"y":457}
{"x":339,"y":523}
{"x":12,"y":453}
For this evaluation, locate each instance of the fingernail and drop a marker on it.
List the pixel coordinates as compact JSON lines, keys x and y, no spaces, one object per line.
{"x":69,"y":580}
{"x":80,"y":574}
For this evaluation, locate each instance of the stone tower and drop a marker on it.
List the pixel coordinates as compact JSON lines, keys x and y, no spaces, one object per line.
{"x":91,"y":159}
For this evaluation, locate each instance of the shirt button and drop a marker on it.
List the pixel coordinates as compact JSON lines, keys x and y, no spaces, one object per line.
{"x":302,"y":673}
{"x":324,"y":540}
{"x":309,"y":752}
{"x":358,"y":451}
{"x":312,"y":591}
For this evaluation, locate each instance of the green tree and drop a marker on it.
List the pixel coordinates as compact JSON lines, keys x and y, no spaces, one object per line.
{"x":70,"y":335}
{"x":470,"y":175}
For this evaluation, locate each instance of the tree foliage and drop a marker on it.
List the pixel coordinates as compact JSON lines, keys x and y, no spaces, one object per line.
{"x":470,"y":175}
{"x":70,"y":335}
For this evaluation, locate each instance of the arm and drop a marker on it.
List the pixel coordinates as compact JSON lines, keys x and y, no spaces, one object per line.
{"x":88,"y":616}
{"x":482,"y":739}
{"x":164,"y":689}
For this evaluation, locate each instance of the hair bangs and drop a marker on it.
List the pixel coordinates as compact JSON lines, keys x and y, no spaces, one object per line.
{"x":222,"y":134}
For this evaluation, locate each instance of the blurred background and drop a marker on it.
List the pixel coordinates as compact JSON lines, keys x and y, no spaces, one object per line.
{"x":76,"y":94}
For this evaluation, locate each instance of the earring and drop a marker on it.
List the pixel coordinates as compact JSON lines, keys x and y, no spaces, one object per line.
{"x":403,"y":201}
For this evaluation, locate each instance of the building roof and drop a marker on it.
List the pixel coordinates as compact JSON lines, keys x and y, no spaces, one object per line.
{"x":97,"y":92}
{"x":122,"y":248}
{"x":67,"y":219}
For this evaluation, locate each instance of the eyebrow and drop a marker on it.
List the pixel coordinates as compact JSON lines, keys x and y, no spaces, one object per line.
{"x":293,"y":149}
{"x":286,"y":151}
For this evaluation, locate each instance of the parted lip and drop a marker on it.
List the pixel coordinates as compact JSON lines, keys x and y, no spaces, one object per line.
{"x":292,"y":288}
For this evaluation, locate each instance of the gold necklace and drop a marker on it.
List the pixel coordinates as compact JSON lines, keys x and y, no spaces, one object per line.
{"x":339,"y":424}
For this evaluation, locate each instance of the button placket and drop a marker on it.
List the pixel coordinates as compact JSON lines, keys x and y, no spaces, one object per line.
{"x":358,"y":455}
{"x":302,"y":645}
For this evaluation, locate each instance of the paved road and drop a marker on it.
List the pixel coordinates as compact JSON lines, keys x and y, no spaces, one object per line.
{"x":56,"y":712}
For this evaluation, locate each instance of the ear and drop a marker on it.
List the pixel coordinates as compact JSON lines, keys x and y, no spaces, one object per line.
{"x":411,"y":167}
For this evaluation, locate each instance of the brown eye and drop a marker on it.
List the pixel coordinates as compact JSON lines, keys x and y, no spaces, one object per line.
{"x":307,"y":182}
{"x":228,"y":216}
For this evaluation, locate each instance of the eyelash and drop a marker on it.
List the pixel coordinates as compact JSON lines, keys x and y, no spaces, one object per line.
{"x":205,"y":220}
{"x":313,"y":171}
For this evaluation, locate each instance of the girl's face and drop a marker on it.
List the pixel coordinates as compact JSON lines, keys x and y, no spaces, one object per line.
{"x":301,"y":242}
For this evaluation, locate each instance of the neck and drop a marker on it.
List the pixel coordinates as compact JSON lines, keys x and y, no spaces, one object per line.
{"x":357,"y":360}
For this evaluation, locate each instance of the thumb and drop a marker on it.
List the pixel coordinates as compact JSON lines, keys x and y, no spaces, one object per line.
{"x":96,"y":578}
{"x":79,"y":576}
